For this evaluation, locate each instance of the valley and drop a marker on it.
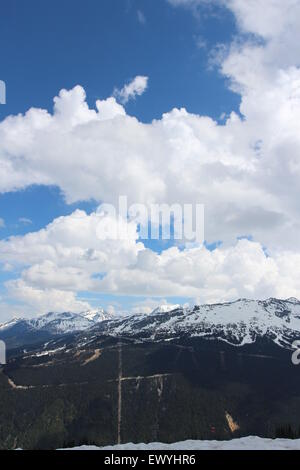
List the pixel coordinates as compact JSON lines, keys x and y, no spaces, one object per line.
{"x":164,"y":377}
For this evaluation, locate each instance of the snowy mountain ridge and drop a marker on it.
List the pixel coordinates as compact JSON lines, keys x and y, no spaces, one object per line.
{"x":165,"y":308}
{"x":60,"y":323}
{"x":237,"y":323}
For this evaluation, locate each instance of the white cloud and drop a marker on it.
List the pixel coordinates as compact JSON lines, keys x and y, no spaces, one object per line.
{"x":246,"y":171}
{"x":6,"y":267}
{"x":148,"y":305}
{"x":145,"y":306}
{"x":269,"y":19}
{"x":67,"y":258}
{"x":135,"y":88}
{"x":181,"y":158}
{"x":243,"y":270}
{"x":109,"y":109}
{"x":39,"y":301}
{"x":111,"y":309}
{"x":80,"y":241}
{"x":266,"y":18}
{"x":8,"y":311}
{"x":2,"y":223}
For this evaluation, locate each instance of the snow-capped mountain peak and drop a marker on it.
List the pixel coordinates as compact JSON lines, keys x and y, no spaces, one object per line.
{"x":97,"y":315}
{"x":238,"y":323}
{"x":293,"y":300}
{"x":10,"y":323}
{"x":65,"y":322}
{"x":165,"y":308}
{"x":61,"y":323}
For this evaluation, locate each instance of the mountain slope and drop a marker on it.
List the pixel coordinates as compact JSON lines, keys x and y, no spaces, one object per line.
{"x":237,"y":323}
{"x":163,"y":377}
{"x":93,"y":389}
{"x":23,"y":332}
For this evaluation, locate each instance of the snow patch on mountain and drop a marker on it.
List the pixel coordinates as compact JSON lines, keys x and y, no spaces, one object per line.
{"x":237,"y":323}
{"x":9,"y":324}
{"x":97,"y":315}
{"x":61,"y":323}
{"x":165,"y":308}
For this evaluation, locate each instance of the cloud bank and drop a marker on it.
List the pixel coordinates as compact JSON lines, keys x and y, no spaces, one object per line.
{"x":246,"y":172}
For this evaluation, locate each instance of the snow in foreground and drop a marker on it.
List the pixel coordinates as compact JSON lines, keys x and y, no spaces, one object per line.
{"x":246,"y":443}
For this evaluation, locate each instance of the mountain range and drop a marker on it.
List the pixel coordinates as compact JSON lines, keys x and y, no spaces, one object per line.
{"x":213,"y":372}
{"x":21,"y":331}
{"x":238,"y":323}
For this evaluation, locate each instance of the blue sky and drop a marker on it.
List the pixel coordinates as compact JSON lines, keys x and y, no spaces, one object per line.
{"x":103,"y":45}
{"x":47,"y":46}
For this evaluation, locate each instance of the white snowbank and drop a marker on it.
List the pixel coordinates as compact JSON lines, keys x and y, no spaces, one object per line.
{"x":246,"y":443}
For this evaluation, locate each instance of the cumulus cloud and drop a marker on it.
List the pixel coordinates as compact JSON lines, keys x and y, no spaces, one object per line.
{"x":39,"y":301}
{"x":243,"y":270}
{"x":80,"y":241}
{"x":148,"y":305}
{"x":246,"y":171}
{"x":69,"y":257}
{"x":135,"y":88}
{"x":233,"y":169}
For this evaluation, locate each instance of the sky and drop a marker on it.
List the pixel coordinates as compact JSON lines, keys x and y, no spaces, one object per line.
{"x":165,"y":102}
